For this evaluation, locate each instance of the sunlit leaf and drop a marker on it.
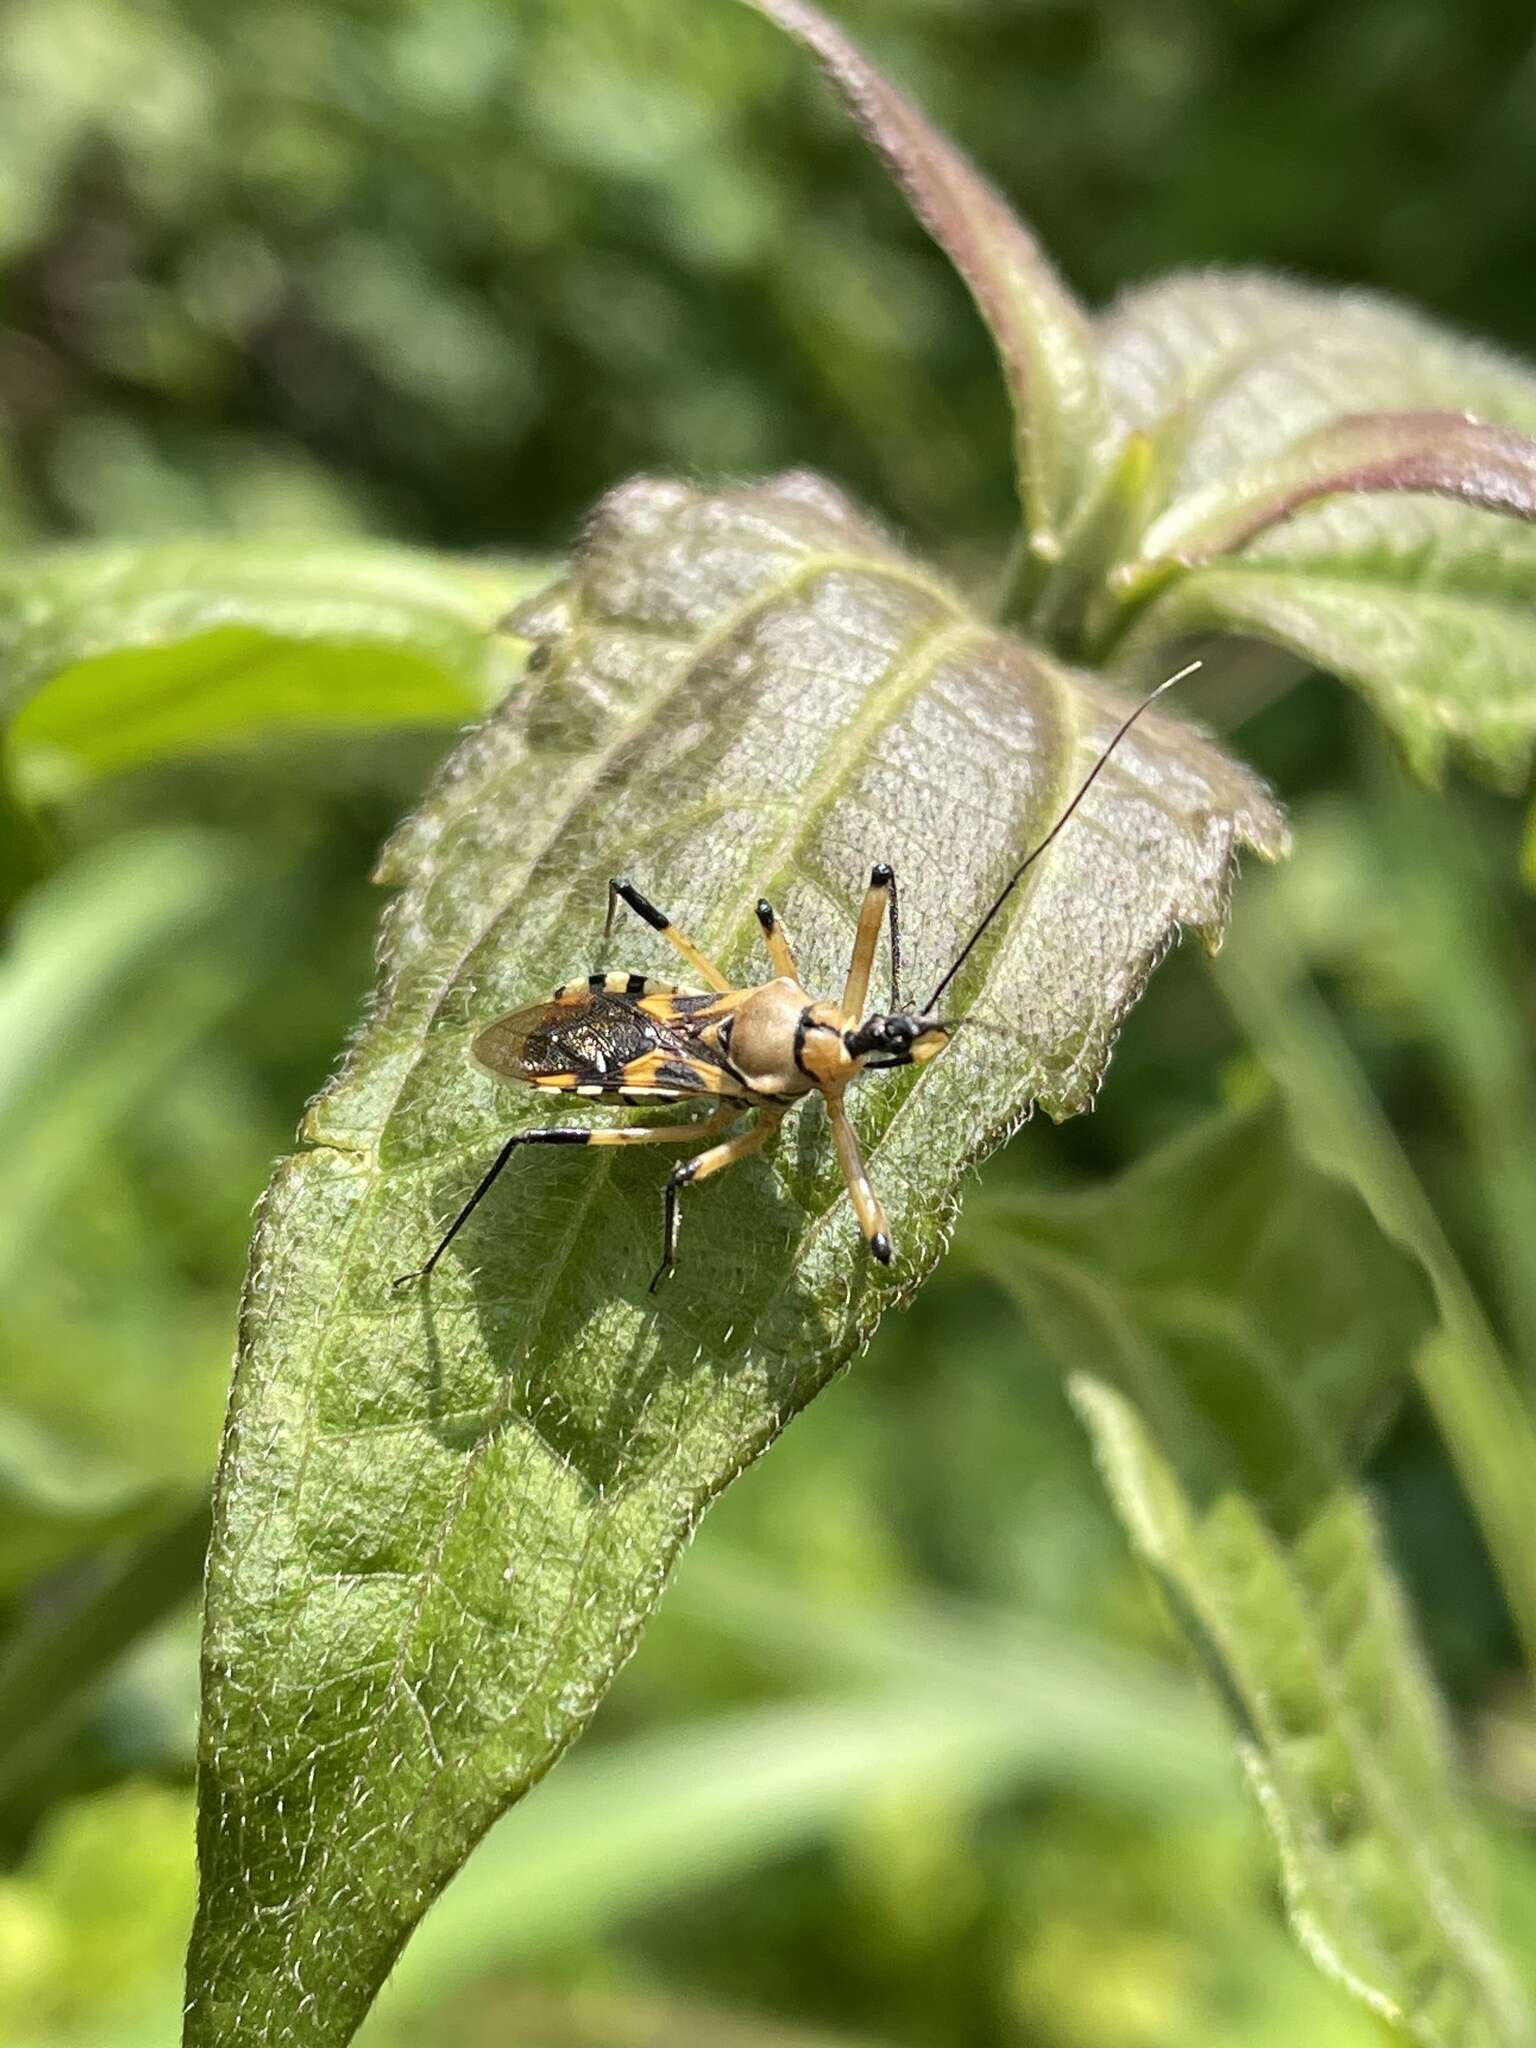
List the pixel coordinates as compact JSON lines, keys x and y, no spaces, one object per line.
{"x":1225,"y":370}
{"x":1443,"y":454}
{"x":118,"y":654}
{"x":443,"y":1514}
{"x":678,"y":1810}
{"x":1428,"y":608}
{"x":1043,"y":338}
{"x":1230,"y":1319}
{"x":1250,"y":399}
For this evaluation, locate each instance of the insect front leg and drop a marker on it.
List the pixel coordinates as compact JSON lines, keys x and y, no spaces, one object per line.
{"x":620,"y":890}
{"x":866,"y":1203}
{"x":781,"y":953}
{"x":879,"y":897}
{"x":715,"y":1160}
{"x":570,"y":1134}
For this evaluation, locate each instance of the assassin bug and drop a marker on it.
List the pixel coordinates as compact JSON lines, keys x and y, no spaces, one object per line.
{"x":626,"y":1038}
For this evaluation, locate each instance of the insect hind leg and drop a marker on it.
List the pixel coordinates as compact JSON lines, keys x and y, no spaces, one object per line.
{"x":715,"y":1160}
{"x":867,"y":1206}
{"x":568,"y":1134}
{"x":565,"y":1135}
{"x":621,"y":890}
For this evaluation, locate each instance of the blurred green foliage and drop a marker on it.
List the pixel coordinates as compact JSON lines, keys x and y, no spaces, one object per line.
{"x":452,"y":269}
{"x":445,"y":272}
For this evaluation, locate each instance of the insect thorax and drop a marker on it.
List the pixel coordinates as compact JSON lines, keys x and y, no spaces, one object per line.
{"x":778,"y":1039}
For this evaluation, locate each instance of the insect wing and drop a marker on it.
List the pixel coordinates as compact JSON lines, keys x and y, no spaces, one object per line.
{"x":614,"y":1036}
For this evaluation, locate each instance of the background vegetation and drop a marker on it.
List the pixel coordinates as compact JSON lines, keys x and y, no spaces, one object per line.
{"x":444,"y":273}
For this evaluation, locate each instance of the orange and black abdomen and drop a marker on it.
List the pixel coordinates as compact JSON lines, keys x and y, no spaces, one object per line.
{"x":615,"y":1035}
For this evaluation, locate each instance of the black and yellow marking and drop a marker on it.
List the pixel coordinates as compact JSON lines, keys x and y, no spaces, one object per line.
{"x":621,"y":890}
{"x":626,"y":1038}
{"x":700,"y":1167}
{"x":573,"y":1134}
{"x":612,"y":985}
{"x":780,"y":951}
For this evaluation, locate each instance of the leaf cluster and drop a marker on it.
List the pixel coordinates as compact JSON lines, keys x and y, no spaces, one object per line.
{"x":442,"y":1522}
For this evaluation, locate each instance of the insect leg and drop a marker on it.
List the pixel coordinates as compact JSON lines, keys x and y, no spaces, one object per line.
{"x":569,"y":1134}
{"x":780,"y":952}
{"x":866,"y":1203}
{"x":715,"y":1160}
{"x":620,"y":889}
{"x":880,"y":894}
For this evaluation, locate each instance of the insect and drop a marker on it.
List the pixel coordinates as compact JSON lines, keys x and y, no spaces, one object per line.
{"x":626,"y":1038}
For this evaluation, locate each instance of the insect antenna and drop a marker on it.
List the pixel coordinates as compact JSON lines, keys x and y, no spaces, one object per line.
{"x":1030,"y":858}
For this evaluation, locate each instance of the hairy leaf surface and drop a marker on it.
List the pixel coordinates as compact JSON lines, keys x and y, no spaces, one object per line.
{"x":1440,"y":454}
{"x":1251,"y":398}
{"x":1225,"y":370}
{"x":1231,"y":1319}
{"x":1206,"y":414}
{"x":1428,"y":608}
{"x":443,"y":1514}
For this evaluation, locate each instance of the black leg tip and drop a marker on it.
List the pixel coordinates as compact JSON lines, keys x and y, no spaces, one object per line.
{"x":881,"y":874}
{"x":880,"y":1245}
{"x":765,"y":913}
{"x":404,"y":1279}
{"x":658,"y":1276}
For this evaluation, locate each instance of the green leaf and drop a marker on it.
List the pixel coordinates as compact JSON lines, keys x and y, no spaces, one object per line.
{"x":444,"y":1514}
{"x":974,"y":1701}
{"x":1043,"y":338}
{"x":111,"y":656}
{"x":1426,"y":608}
{"x":1251,"y":399}
{"x":1224,"y":370}
{"x":117,"y":967}
{"x":1469,"y":1386}
{"x":54,"y":1661}
{"x":1444,"y":454}
{"x":105,"y":987}
{"x":1230,"y":1320}
{"x":973,"y":1707}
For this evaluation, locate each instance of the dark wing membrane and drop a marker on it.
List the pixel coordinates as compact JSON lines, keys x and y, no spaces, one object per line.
{"x":598,"y":1040}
